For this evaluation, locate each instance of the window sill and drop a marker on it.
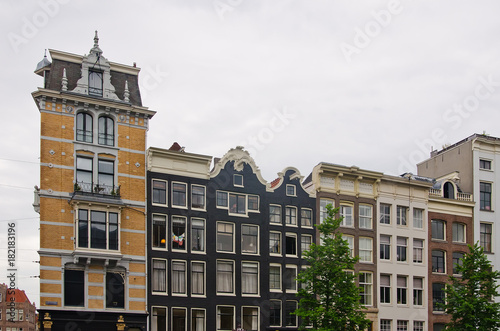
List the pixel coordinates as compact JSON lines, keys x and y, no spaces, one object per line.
{"x":487,"y":210}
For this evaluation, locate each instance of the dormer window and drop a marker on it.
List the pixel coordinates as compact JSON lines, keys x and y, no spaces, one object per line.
{"x":95,"y":83}
{"x":449,"y":190}
{"x":238,"y":180}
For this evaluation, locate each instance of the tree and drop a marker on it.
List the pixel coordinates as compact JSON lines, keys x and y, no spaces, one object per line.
{"x":329,"y":297}
{"x":469,"y":298}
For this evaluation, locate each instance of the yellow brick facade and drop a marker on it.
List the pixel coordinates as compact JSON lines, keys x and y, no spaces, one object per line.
{"x":74,"y":217}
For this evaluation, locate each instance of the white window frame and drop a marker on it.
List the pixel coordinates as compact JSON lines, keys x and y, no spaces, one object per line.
{"x":257,"y":243}
{"x":294,"y":280}
{"x":281,"y":313}
{"x":184,"y":293}
{"x":166,"y":192}
{"x":280,"y":244}
{"x":204,"y":279}
{"x":294,"y":316}
{"x":218,"y":321}
{"x":204,"y":197}
{"x":350,"y":243}
{"x":385,"y":244}
{"x":291,"y":234}
{"x":186,"y":235}
{"x":421,"y":289}
{"x":366,"y":218}
{"x":402,"y":246}
{"x":166,"y":277}
{"x":384,"y":287}
{"x":402,"y":289}
{"x":153,"y":232}
{"x":240,"y":177}
{"x":323,"y":202}
{"x":293,"y":188}
{"x":204,"y":236}
{"x":302,"y":236}
{"x":185,"y":316}
{"x":401,"y":218}
{"x":347,"y":222}
{"x":276,"y":265}
{"x":204,"y":317}
{"x":418,"y":248}
{"x":280,"y":215}
{"x":291,"y":209}
{"x":464,"y":232}
{"x":248,"y":204}
{"x":384,"y":215}
{"x":490,"y":162}
{"x":304,"y":218}
{"x":441,"y":222}
{"x":232,"y":293}
{"x":232,"y":237}
{"x":185,"y":197}
{"x":217,"y":200}
{"x":258,"y":279}
{"x":368,"y":239}
{"x":258,"y":316}
{"x":418,"y":219}
{"x":153,"y":316}
{"x":370,"y":294}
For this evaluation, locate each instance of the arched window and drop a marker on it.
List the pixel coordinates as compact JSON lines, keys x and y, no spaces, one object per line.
{"x":449,"y":190}
{"x":84,"y":127}
{"x":106,"y":131}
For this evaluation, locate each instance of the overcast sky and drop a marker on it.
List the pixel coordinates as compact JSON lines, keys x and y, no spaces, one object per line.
{"x":367,"y":83}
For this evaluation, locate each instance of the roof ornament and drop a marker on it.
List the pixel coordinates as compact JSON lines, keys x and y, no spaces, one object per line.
{"x":126,"y":94}
{"x":64,"y":81}
{"x":44,"y":63}
{"x":96,"y":48}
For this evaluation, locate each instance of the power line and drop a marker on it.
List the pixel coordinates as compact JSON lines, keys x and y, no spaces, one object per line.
{"x":22,"y":161}
{"x":22,"y":187}
{"x":20,"y":219}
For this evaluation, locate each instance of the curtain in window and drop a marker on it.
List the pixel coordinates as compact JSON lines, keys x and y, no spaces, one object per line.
{"x":225,"y":277}
{"x":249,"y":278}
{"x":159,"y":276}
{"x":197,"y":278}
{"x":178,"y":277}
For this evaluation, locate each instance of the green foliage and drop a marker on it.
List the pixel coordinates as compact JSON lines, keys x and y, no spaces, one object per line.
{"x":329,"y":297}
{"x":469,"y":299}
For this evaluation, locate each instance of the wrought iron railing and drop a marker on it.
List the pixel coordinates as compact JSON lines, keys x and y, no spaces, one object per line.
{"x":100,"y":189}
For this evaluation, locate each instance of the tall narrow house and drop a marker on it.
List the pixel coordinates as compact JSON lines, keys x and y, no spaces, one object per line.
{"x":92,"y":193}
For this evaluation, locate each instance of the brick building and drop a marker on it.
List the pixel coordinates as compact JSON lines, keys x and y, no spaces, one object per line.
{"x":17,"y":313}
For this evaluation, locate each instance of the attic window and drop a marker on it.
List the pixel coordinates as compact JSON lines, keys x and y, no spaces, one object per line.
{"x":238,"y":180}
{"x":95,"y":83}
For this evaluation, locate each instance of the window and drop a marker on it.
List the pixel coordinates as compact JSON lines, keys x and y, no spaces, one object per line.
{"x":485,"y":196}
{"x":350,"y":243}
{"x":290,"y":318}
{"x":402,"y":290}
{"x":275,"y":277}
{"x":178,"y":277}
{"x":21,"y":316}
{"x":385,"y":213}
{"x":290,"y":278}
{"x":159,"y":192}
{"x":178,"y":233}
{"x":385,"y":288}
{"x":385,"y":325}
{"x":438,"y":261}
{"x":402,"y":326}
{"x":84,"y":173}
{"x":401,"y":249}
{"x":418,"y":251}
{"x":197,"y":278}
{"x":322,"y":208}
{"x":438,"y":229}
{"x":306,"y":218}
{"x":159,"y":319}
{"x":275,"y":214}
{"x":249,"y":278}
{"x":290,"y":215}
{"x":238,"y":180}
{"x":458,"y":232}
{"x":84,"y":127}
{"x":275,"y":243}
{"x":101,"y":228}
{"x":438,"y":296}
{"x":178,"y":319}
{"x":225,"y":239}
{"x":291,"y":244}
{"x":418,"y":218}
{"x":74,"y":288}
{"x":448,"y":190}
{"x":106,"y":131}
{"x":366,"y":284}
{"x":418,"y":326}
{"x":237,"y":203}
{"x":290,"y":190}
{"x":179,"y":194}
{"x":365,"y":249}
{"x":346,"y":213}
{"x":457,"y":261}
{"x":274,"y":313}
{"x":484,"y":164}
{"x":418,"y":291}
{"x":159,"y":276}
{"x":253,"y":202}
{"x":225,"y":273}
{"x":365,"y":217}
{"x":115,"y":289}
{"x":485,"y":237}
{"x":305,"y":243}
{"x":385,"y":247}
{"x":95,"y":83}
{"x":159,"y":231}
{"x":249,"y":239}
{"x":197,"y":197}
{"x":225,"y":318}
{"x":438,"y":327}
{"x":401,"y":215}
{"x":197,"y":235}
{"x":105,"y":177}
{"x":222,"y":199}
{"x":198,"y":320}
{"x":250,"y":318}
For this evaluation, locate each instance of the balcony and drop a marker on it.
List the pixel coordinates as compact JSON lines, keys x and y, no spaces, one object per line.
{"x":459,"y":196}
{"x":109,"y":191}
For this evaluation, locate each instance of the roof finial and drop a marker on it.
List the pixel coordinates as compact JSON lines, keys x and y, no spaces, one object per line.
{"x":96,"y":40}
{"x":64,"y":86}
{"x":45,"y":54}
{"x":126,"y":93}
